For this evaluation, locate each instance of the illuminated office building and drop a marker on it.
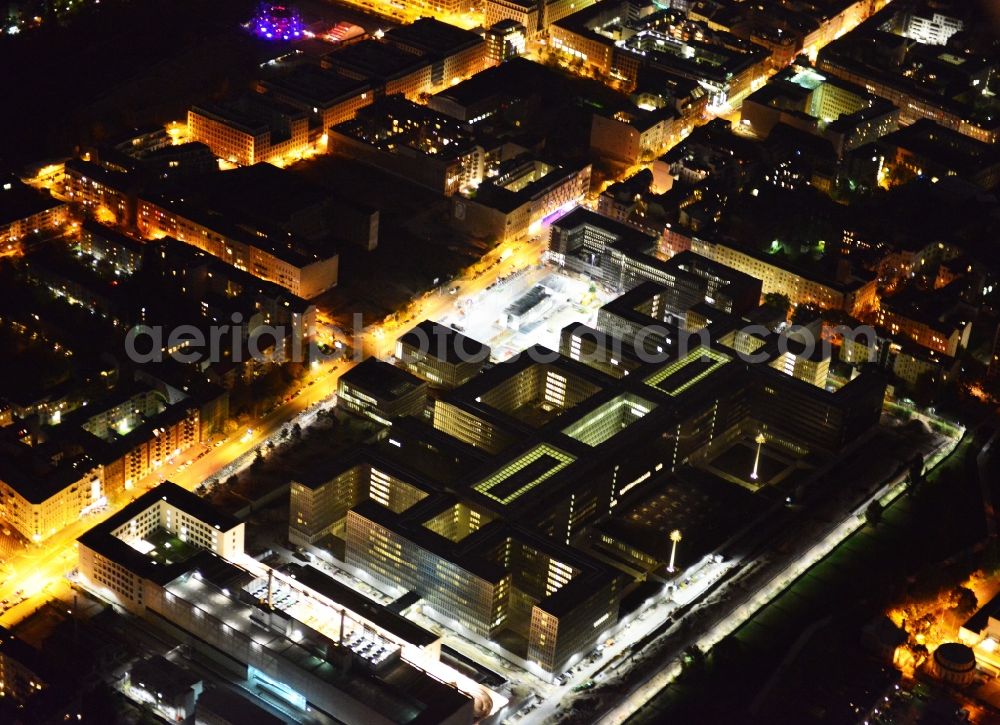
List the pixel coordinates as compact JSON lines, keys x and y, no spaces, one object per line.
{"x":486,"y":515}
{"x":441,"y":355}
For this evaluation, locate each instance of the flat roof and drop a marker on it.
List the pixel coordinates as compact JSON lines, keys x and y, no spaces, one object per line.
{"x":315,"y":86}
{"x":627,"y":237}
{"x":160,"y":675}
{"x":101,"y":539}
{"x":235,"y":708}
{"x":283,"y":245}
{"x":25,"y":472}
{"x":445,"y":343}
{"x":978,"y":621}
{"x":433,"y":36}
{"x":374,"y":59}
{"x":381,"y":379}
{"x":496,"y":196}
{"x":253,"y":113}
{"x":113,"y":236}
{"x":376,"y":613}
{"x":20,"y":201}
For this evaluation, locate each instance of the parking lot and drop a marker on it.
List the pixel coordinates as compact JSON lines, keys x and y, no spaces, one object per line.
{"x":526,"y":308}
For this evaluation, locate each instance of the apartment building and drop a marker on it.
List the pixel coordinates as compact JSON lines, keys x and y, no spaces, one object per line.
{"x":25,"y":212}
{"x":250,"y":129}
{"x":854,"y":295}
{"x":304,"y":269}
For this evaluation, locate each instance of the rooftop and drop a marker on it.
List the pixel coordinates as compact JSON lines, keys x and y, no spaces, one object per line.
{"x":160,"y":675}
{"x":19,"y":201}
{"x":676,"y":377}
{"x":374,"y":60}
{"x":102,"y":539}
{"x":361,"y":605}
{"x":432,"y":37}
{"x":381,"y":379}
{"x":445,"y":343}
{"x":314,"y":86}
{"x":252,"y":113}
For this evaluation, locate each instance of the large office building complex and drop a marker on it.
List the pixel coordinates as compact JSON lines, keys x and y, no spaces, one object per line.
{"x":487,"y":512}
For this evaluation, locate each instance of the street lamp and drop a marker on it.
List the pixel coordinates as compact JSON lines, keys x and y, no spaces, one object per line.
{"x":675,"y":536}
{"x":756,"y":461}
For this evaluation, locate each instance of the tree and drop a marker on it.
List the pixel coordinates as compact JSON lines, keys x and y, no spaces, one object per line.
{"x":778,"y":301}
{"x":873,"y":514}
{"x":296,"y":431}
{"x":964,"y":601}
{"x":806,"y":312}
{"x":693,"y":662}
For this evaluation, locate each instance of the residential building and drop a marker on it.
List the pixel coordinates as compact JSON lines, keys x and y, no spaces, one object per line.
{"x":412,"y":141}
{"x":923,"y":81}
{"x":630,"y":136}
{"x":26,"y":212}
{"x":852,"y":294}
{"x":306,"y":270}
{"x":932,"y":322}
{"x":845,"y":114}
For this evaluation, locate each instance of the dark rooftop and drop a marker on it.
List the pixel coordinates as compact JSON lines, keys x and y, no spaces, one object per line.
{"x":373,"y":59}
{"x":19,"y":201}
{"x":160,"y":675}
{"x":314,"y":86}
{"x":445,"y":343}
{"x":432,"y":37}
{"x":381,"y":379}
